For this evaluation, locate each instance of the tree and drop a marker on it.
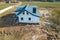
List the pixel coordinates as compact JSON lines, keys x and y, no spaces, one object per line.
{"x":2,"y":0}
{"x":45,"y":0}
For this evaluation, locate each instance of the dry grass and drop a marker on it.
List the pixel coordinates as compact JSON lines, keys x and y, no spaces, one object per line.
{"x":44,"y":4}
{"x":2,"y":5}
{"x":22,"y":32}
{"x":7,"y":12}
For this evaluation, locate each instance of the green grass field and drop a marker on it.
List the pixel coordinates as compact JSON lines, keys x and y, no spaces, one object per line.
{"x":2,"y":6}
{"x":44,"y":4}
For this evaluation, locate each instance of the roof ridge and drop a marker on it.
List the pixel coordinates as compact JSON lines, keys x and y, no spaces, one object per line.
{"x":22,"y":9}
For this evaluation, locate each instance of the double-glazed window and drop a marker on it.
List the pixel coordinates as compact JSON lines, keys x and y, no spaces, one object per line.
{"x":25,"y":13}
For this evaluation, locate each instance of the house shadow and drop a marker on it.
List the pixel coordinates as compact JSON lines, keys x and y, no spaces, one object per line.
{"x":10,"y":20}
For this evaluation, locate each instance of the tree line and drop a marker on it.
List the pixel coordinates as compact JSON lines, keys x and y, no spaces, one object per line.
{"x":33,"y":0}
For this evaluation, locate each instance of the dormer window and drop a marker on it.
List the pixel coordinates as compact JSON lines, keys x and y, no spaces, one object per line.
{"x":34,"y":10}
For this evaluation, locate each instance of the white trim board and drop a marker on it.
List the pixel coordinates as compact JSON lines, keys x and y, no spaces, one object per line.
{"x":5,"y":9}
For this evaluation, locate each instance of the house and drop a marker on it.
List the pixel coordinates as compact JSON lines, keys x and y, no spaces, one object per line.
{"x":27,"y":14}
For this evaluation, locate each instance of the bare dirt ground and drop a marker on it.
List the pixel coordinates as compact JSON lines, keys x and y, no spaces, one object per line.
{"x":24,"y":31}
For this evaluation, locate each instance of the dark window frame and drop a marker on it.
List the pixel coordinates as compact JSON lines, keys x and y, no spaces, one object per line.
{"x":29,"y":18}
{"x":23,"y":13}
{"x":34,"y":10}
{"x":22,"y":18}
{"x":27,"y":13}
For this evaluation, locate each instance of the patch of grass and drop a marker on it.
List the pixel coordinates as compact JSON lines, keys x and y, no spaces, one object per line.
{"x":2,"y":6}
{"x":44,"y":4}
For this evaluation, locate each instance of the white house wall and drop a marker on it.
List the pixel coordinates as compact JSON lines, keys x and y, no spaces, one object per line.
{"x":25,"y":16}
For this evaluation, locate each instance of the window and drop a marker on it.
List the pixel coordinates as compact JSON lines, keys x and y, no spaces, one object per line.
{"x":23,"y":13}
{"x":29,"y":18}
{"x":27,"y":13}
{"x":34,"y":10}
{"x":21,"y":18}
